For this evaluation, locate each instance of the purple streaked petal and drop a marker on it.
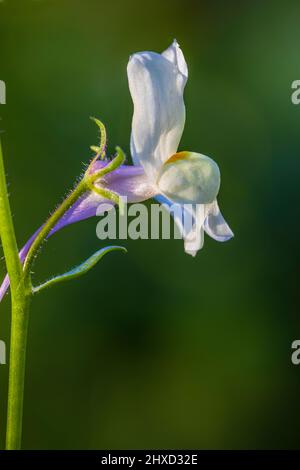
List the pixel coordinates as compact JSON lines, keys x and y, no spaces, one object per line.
{"x":129,"y":181}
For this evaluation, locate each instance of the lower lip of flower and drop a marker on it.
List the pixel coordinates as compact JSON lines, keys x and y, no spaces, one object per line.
{"x":189,"y":177}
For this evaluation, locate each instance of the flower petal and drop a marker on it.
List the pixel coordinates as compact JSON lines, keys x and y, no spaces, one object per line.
{"x":156,"y":83}
{"x":215,"y":225}
{"x":129,"y":181}
{"x":189,"y":219}
{"x":189,"y":177}
{"x":175,"y":55}
{"x":194,"y":219}
{"x":194,"y":239}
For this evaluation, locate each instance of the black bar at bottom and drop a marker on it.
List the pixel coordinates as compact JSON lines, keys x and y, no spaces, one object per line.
{"x":138,"y":458}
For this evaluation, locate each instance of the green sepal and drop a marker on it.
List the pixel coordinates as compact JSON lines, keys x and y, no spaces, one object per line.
{"x":111,"y":166}
{"x":100,"y":150}
{"x":95,"y":149}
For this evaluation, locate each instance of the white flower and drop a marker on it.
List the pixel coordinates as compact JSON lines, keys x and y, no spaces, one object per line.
{"x":188,"y":179}
{"x":156,"y":83}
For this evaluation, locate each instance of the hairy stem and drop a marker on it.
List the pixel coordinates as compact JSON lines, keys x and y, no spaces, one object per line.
{"x":19,"y":320}
{"x":7,"y":232}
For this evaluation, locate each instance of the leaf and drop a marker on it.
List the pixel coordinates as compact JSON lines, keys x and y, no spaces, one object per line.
{"x":79,"y":270}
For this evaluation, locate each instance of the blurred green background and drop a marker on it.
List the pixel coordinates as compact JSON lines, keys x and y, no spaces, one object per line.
{"x":156,"y":349}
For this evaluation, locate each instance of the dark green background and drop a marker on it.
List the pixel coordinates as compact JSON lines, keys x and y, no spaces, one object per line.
{"x":155,"y":348}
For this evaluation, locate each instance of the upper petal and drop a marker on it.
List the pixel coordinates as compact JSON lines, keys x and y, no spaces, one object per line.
{"x":156,"y":83}
{"x":175,"y":55}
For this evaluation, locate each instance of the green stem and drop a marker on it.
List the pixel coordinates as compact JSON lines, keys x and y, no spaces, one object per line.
{"x":18,"y":340}
{"x":19,"y":320}
{"x":7,"y":232}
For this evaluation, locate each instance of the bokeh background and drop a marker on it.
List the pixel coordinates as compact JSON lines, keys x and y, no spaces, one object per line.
{"x":156,"y":349}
